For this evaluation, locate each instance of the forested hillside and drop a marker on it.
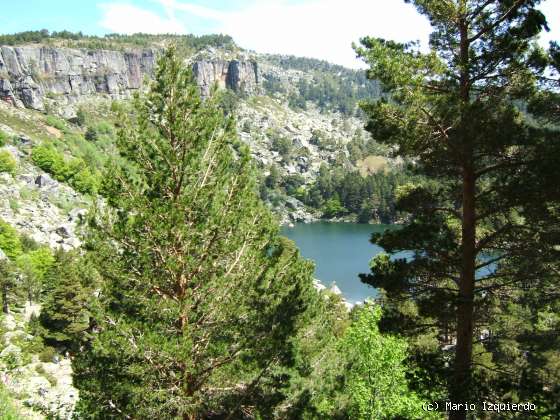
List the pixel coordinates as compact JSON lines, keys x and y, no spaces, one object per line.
{"x":144,"y":180}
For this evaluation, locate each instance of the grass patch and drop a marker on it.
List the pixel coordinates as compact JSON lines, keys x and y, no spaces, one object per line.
{"x":8,"y":409}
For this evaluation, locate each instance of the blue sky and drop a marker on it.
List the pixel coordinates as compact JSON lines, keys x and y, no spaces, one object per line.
{"x":314,"y":28}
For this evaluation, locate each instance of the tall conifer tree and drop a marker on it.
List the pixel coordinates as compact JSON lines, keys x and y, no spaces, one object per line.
{"x":202,"y":299}
{"x":456,"y":113}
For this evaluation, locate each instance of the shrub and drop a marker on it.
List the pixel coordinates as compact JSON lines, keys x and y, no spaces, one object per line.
{"x":49,"y":377}
{"x":333,"y":208}
{"x":80,"y":117}
{"x":55,"y":122}
{"x":46,"y":157}
{"x":282,"y":145}
{"x":103,"y":127}
{"x":3,"y":138}
{"x":14,"y":205}
{"x":9,"y":240}
{"x":47,"y":355}
{"x":91,"y":134}
{"x":85,"y":182}
{"x":7,"y":162}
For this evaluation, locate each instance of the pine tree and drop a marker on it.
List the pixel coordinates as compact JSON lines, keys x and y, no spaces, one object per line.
{"x":455,"y":112}
{"x":67,"y":307}
{"x":201,"y":298}
{"x":7,"y":282}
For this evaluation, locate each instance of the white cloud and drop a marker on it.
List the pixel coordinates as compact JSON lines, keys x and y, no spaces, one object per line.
{"x":322,"y":29}
{"x":129,"y":19}
{"x":550,"y":9}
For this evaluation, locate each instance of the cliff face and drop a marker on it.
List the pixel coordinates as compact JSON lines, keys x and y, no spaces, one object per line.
{"x":240,"y":76}
{"x":30,"y":73}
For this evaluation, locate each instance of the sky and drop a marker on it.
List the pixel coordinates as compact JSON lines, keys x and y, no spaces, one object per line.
{"x":323,"y":29}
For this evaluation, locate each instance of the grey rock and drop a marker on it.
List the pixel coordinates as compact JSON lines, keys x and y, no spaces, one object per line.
{"x":10,"y":349}
{"x":45,"y":180}
{"x":240,"y":76}
{"x":65,"y":231}
{"x":33,"y":71}
{"x":77,"y":215}
{"x":24,"y":140}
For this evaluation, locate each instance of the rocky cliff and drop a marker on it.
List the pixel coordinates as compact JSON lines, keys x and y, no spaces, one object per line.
{"x":31,"y":76}
{"x":237,"y":75}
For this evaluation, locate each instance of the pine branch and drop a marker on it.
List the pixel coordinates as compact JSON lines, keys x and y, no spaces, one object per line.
{"x":506,"y":15}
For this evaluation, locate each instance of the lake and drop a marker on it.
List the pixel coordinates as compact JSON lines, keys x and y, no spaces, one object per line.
{"x":340,"y":251}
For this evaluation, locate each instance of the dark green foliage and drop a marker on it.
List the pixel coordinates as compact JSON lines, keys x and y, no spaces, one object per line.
{"x":332,"y":87}
{"x":333,"y":208}
{"x":292,"y":183}
{"x":114,"y":41}
{"x":273,"y":179}
{"x":7,"y":282}
{"x":483,"y":218}
{"x":282,"y":145}
{"x":90,"y":134}
{"x":66,"y":310}
{"x":371,"y":197}
{"x":201,"y":298}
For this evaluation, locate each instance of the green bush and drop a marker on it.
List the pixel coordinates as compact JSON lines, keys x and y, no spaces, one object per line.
{"x":55,"y":122}
{"x":282,"y":145}
{"x":85,"y":182}
{"x":75,"y":171}
{"x":7,"y":162}
{"x":91,"y":134}
{"x":46,"y":157}
{"x":47,"y":355}
{"x":80,"y":117}
{"x":9,"y":240}
{"x":3,"y":138}
{"x":103,"y":127}
{"x":333,"y":208}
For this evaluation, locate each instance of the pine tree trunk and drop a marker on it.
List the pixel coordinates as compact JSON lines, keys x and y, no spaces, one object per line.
{"x":460,"y":387}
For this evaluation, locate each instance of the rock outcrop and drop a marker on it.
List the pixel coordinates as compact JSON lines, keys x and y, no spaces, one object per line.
{"x":28,"y":74}
{"x":237,"y":75}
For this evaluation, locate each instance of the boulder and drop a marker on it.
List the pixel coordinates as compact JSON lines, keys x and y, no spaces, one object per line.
{"x":65,"y":231}
{"x":45,"y":180}
{"x":8,"y":322}
{"x":77,"y":215}
{"x":11,"y":350}
{"x":24,"y":140}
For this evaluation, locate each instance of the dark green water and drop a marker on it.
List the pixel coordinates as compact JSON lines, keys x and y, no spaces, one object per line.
{"x":340,"y":251}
